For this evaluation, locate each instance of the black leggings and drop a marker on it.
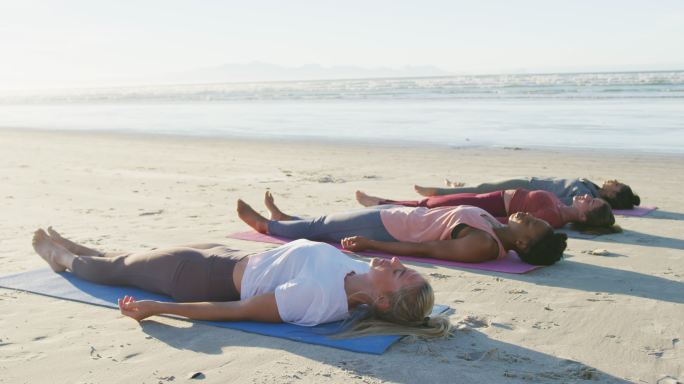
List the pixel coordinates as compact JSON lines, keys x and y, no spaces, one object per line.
{"x":202,"y":272}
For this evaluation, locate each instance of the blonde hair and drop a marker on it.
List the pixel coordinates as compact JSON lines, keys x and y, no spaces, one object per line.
{"x":408,"y":314}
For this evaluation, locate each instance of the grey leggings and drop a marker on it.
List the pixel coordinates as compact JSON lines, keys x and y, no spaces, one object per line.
{"x":201,"y":272}
{"x":487,"y":187}
{"x":363,"y":222}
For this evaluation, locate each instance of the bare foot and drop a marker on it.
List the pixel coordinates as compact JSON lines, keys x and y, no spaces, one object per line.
{"x":276,"y":213}
{"x":453,"y":184}
{"x":47,"y":250}
{"x":425,"y":191}
{"x":367,"y":200}
{"x":252,"y":217}
{"x":72,"y":247}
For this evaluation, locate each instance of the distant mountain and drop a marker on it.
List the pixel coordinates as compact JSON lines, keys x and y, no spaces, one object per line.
{"x":258,"y":71}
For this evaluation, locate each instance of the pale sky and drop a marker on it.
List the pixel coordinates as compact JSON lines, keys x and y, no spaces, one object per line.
{"x":75,"y":43}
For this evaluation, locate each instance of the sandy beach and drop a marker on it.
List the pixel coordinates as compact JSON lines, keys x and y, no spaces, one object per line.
{"x":591,"y":318}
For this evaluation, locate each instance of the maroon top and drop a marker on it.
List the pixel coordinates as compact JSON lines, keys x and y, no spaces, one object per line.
{"x":542,"y":204}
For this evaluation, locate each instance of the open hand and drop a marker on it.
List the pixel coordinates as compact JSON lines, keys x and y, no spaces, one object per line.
{"x":355,"y":243}
{"x":137,"y":310}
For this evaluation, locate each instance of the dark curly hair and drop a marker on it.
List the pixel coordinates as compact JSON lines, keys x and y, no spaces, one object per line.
{"x":600,"y":221}
{"x":548,"y":250}
{"x":624,"y":199}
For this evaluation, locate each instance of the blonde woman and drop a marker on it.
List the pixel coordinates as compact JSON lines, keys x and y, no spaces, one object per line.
{"x":302,"y":282}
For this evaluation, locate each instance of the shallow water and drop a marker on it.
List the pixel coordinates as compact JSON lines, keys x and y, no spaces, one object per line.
{"x":634,"y":112}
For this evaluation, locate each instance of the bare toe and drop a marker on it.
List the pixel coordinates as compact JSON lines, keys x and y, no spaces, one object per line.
{"x":71,"y":246}
{"x":46,"y":249}
{"x":366,"y":200}
{"x":251,"y":217}
{"x":54,"y":235}
{"x":276,"y":213}
{"x":425,"y":191}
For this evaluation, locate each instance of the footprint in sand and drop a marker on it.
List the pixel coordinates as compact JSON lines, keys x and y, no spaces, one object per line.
{"x":491,"y":354}
{"x":614,"y":338}
{"x":152,"y":213}
{"x":439,"y":276}
{"x":545,"y":325}
{"x":325,"y":179}
{"x":517,"y":292}
{"x":664,"y":353}
{"x":356,"y":367}
{"x":604,"y":297}
{"x":574,"y":371}
{"x":93,"y":353}
{"x":474,"y":322}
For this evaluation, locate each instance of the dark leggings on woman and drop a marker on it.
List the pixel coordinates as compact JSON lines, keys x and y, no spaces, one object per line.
{"x":335,"y":227}
{"x":492,"y":202}
{"x":201,"y":272}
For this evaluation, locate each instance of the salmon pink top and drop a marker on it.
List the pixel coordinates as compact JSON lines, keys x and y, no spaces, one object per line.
{"x":422,"y":224}
{"x":542,"y":204}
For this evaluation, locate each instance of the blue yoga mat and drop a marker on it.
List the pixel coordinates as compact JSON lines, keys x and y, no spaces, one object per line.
{"x":69,"y":287}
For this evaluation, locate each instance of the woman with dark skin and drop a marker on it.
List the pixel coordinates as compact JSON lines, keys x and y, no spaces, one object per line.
{"x":588,"y":213}
{"x":465,"y":234}
{"x":617,"y":194}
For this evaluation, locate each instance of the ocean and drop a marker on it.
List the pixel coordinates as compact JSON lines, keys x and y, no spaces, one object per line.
{"x":631,"y":111}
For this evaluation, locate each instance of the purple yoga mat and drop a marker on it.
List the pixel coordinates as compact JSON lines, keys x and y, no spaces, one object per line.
{"x":509,"y":264}
{"x":639,"y":211}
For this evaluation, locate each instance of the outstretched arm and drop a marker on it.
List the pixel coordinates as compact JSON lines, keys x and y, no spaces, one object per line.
{"x":257,"y":308}
{"x":476,"y":247}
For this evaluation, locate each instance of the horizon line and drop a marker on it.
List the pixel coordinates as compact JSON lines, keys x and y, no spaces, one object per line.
{"x":534,"y":73}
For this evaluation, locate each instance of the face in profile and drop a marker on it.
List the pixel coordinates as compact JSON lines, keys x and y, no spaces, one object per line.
{"x":527,"y":229}
{"x":586,"y":203}
{"x":610,"y":188}
{"x":389,"y":276}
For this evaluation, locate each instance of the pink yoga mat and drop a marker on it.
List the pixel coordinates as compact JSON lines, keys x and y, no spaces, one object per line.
{"x":510,"y":264}
{"x":636,"y":211}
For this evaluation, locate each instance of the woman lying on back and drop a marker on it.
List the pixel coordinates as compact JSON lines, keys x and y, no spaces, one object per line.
{"x":466,"y":234}
{"x":617,"y":194}
{"x":302,"y":282}
{"x":588,"y":214}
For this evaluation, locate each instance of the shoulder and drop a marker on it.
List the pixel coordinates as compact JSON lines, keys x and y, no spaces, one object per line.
{"x":481,"y":242}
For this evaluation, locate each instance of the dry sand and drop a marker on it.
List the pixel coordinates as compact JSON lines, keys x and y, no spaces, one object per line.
{"x":611,"y":318}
